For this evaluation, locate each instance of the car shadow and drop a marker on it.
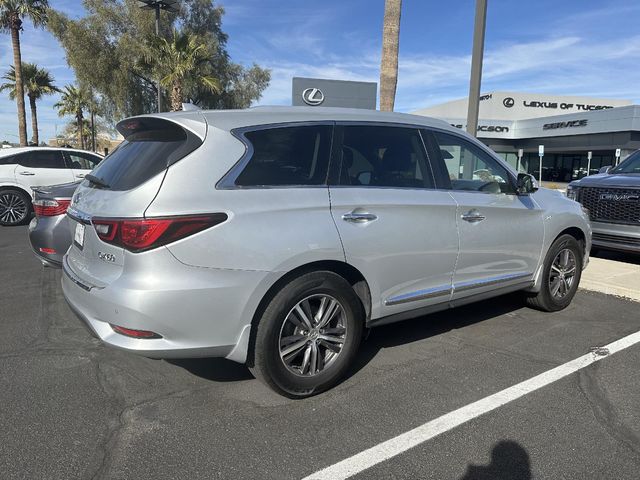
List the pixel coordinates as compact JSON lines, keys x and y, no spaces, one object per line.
{"x":214,"y":369}
{"x":426,"y":326}
{"x":392,"y":335}
{"x":617,"y":256}
{"x":509,"y":461}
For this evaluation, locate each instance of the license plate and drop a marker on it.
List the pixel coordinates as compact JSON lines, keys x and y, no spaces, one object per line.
{"x":78,"y":237}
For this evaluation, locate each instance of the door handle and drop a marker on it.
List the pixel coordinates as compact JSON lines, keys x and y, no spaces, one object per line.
{"x":27,"y":174}
{"x":80,"y":175}
{"x":359,"y":217}
{"x":473,"y":216}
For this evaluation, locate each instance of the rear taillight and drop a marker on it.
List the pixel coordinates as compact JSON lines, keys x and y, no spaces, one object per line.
{"x":137,"y":235}
{"x":50,"y":208}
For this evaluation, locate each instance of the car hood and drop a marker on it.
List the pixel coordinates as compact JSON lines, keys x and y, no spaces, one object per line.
{"x":608,"y":180}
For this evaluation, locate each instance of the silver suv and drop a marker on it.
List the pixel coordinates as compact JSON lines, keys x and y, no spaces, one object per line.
{"x":276,"y":236}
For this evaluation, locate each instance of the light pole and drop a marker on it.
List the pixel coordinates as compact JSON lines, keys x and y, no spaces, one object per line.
{"x":476,"y":66}
{"x":157,"y":5}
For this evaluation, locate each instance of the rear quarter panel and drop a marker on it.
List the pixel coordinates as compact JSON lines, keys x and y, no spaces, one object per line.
{"x":268,"y":229}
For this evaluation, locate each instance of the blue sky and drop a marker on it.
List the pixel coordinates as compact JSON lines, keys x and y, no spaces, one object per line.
{"x":579,"y":47}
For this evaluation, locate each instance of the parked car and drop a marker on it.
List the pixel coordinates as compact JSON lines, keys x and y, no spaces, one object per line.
{"x":49,"y":233}
{"x":23,"y":168}
{"x":275,"y":236}
{"x":613,"y":200}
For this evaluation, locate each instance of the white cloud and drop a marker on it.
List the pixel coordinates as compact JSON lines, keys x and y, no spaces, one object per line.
{"x":564,"y":65}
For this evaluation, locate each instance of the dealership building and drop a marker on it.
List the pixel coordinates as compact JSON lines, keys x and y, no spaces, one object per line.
{"x":568,"y":127}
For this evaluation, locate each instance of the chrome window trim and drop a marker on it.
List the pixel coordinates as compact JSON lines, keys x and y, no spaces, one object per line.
{"x":227,"y":182}
{"x":79,"y":216}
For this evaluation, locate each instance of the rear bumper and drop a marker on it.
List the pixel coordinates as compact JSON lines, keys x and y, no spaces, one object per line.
{"x":198,"y":312}
{"x":613,"y":236}
{"x":50,"y":233}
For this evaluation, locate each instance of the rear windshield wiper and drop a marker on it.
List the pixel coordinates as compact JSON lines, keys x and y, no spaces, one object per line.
{"x":97,"y":181}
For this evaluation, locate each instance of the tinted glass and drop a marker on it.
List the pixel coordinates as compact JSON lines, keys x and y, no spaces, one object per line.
{"x":10,"y":160}
{"x":41,"y":159}
{"x":630,"y":165}
{"x":83,"y":161}
{"x":471,"y":168}
{"x":383,"y":157}
{"x":287,"y":156}
{"x":150,"y":146}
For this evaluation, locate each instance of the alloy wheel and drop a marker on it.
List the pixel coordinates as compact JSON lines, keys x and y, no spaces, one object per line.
{"x":312,"y":335}
{"x":562,"y":274}
{"x":13,"y":208}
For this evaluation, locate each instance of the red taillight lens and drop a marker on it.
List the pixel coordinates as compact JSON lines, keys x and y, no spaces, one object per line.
{"x":130,"y":332}
{"x":137,"y":235}
{"x":50,"y":208}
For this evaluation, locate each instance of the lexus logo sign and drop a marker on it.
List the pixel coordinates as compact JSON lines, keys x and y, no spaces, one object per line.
{"x":313,"y":96}
{"x":508,"y":102}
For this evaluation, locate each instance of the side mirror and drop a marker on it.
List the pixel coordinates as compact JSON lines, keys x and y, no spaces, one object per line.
{"x":604,"y":169}
{"x":526,"y":184}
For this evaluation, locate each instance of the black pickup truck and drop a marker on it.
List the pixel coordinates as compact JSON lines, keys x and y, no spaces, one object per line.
{"x":613,"y":200}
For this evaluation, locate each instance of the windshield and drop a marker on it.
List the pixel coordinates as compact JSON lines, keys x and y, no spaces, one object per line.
{"x":630,"y":165}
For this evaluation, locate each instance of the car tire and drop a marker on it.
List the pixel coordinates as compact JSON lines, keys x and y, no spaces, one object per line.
{"x":560,"y":275}
{"x":15,"y":207}
{"x":298,"y":361}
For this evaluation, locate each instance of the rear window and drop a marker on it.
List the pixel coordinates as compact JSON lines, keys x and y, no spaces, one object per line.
{"x":41,"y":159}
{"x":287,"y":156}
{"x":150,"y":146}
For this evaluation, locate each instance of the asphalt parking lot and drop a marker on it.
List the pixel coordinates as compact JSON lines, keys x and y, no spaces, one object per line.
{"x":72,"y":408}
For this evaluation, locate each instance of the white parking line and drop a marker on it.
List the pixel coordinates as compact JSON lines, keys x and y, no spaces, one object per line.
{"x":403,"y":442}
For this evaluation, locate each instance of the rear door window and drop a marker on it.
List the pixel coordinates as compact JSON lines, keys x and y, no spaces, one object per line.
{"x":41,"y":159}
{"x":381,"y":156}
{"x":10,"y":160}
{"x":150,"y":146}
{"x":296,"y":155}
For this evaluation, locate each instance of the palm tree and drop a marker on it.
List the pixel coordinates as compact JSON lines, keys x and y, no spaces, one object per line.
{"x":179,"y":61}
{"x":73,"y":102}
{"x":389,"y":61}
{"x":12,"y":12}
{"x":37,"y":82}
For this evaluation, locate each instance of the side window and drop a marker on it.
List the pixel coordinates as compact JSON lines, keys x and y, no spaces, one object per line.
{"x":470,"y":168}
{"x":288,"y":156}
{"x":41,"y":159}
{"x":83,"y":161}
{"x":10,"y":160}
{"x":377,"y":156}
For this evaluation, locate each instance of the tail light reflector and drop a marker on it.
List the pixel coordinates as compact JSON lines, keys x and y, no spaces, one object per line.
{"x":138,"y":235}
{"x":130,"y":332}
{"x":50,"y":251}
{"x":50,"y":208}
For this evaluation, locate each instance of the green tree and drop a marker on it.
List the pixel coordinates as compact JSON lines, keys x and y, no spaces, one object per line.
{"x":73,"y":102}
{"x":37,"y":82}
{"x":12,"y":13}
{"x":107,"y":47}
{"x":178,"y":61}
